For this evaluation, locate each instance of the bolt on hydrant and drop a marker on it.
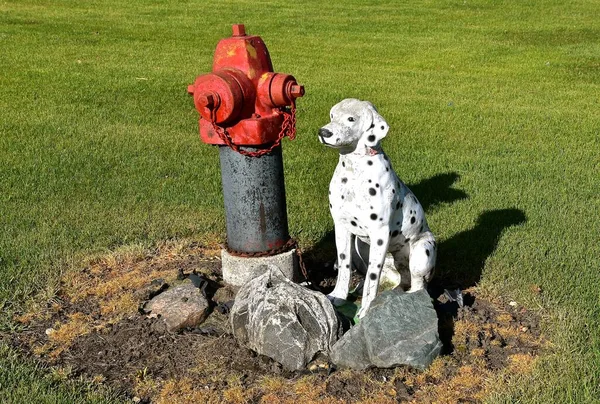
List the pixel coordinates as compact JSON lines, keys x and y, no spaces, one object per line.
{"x":246,"y":109}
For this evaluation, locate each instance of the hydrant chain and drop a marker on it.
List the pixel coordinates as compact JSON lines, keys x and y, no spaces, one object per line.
{"x":287,"y":128}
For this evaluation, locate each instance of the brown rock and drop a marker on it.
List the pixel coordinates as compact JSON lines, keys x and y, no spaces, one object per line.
{"x":224,"y":294}
{"x":179,"y":307}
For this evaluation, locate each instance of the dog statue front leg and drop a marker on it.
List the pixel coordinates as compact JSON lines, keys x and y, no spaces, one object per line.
{"x":379,"y":246}
{"x":343,"y":244}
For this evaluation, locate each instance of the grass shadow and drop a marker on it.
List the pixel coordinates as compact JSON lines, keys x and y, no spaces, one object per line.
{"x":437,"y":190}
{"x":462,"y":257}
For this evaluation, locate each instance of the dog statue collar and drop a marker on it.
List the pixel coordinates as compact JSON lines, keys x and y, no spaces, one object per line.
{"x":371,"y":152}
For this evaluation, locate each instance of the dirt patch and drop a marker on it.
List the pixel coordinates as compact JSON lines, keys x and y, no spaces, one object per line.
{"x":93,"y":329}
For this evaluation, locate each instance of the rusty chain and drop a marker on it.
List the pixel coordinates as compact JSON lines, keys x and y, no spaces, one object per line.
{"x":287,"y":128}
{"x":289,"y":245}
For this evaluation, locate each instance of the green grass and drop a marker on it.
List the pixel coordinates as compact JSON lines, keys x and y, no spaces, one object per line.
{"x":99,"y":145}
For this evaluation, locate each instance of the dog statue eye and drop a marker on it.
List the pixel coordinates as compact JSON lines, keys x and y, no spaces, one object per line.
{"x":351,"y":118}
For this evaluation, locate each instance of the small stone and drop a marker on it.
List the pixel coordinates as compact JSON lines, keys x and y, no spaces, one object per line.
{"x":224,"y":294}
{"x":512,"y":303}
{"x":50,"y":331}
{"x":180,"y":307}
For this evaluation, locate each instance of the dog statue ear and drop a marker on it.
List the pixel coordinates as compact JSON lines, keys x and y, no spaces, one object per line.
{"x":378,"y":129}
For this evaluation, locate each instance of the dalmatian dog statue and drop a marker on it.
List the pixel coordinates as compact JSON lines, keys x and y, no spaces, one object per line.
{"x":371,"y":207}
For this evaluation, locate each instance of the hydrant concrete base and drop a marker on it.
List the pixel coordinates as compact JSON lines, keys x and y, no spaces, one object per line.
{"x":239,"y":270}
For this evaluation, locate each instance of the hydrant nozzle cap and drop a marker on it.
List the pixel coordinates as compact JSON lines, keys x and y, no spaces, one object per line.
{"x":238,"y":30}
{"x":297,"y":91}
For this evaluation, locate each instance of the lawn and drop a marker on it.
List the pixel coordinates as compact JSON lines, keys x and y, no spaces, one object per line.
{"x":493,"y":108}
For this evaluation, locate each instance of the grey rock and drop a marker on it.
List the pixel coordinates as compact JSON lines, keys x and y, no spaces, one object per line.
{"x":284,"y":321}
{"x":179,"y":307}
{"x":399,"y":329}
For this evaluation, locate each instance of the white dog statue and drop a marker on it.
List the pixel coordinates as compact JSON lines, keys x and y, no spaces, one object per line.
{"x":370,"y":204}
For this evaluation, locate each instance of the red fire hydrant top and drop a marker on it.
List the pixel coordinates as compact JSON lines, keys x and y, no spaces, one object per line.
{"x":242,"y":102}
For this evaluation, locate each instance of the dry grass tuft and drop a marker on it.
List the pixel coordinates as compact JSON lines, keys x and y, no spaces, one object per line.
{"x":521,"y":363}
{"x":184,"y":391}
{"x":62,"y":336}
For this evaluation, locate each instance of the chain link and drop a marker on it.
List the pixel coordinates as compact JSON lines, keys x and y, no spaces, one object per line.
{"x":287,"y":128}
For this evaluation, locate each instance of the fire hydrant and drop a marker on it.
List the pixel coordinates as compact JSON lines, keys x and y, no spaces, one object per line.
{"x":246,"y":109}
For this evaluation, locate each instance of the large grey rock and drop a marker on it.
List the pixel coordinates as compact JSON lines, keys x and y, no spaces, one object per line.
{"x":399,"y":329}
{"x":179,"y":307}
{"x":284,"y":321}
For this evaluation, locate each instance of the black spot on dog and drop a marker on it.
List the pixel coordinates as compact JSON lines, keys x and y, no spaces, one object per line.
{"x":377,"y":185}
{"x":398,"y":205}
{"x":373,"y":276}
{"x":373,"y":216}
{"x":393,"y":191}
{"x":412,"y":220}
{"x":397,"y":223}
{"x":344,"y":180}
{"x":407,"y":240}
{"x":372,"y":126}
{"x":369,"y":162}
{"x":427,"y":252}
{"x":337,"y":139}
{"x":347,"y":265}
{"x":372,"y":191}
{"x":385,"y":157}
{"x":370,"y":207}
{"x":342,"y":256}
{"x":421,"y":231}
{"x":378,"y":265}
{"x":353,"y":223}
{"x":343,"y":164}
{"x":342,"y":196}
{"x":371,"y":138}
{"x":380,"y":242}
{"x":395,"y":233}
{"x":387,"y":169}
{"x":382,"y":127}
{"x":330,"y":206}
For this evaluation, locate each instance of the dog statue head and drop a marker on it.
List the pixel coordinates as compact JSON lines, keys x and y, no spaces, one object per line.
{"x":355,"y":125}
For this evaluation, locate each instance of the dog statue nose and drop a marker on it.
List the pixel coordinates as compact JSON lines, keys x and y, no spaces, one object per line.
{"x":325,"y":133}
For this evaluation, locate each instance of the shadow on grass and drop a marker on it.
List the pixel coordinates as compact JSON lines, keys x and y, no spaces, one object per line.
{"x":436,"y":190}
{"x":461,"y":258}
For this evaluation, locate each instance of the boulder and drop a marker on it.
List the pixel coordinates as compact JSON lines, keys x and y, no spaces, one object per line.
{"x":399,"y":329}
{"x":179,"y":307}
{"x":284,"y":321}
